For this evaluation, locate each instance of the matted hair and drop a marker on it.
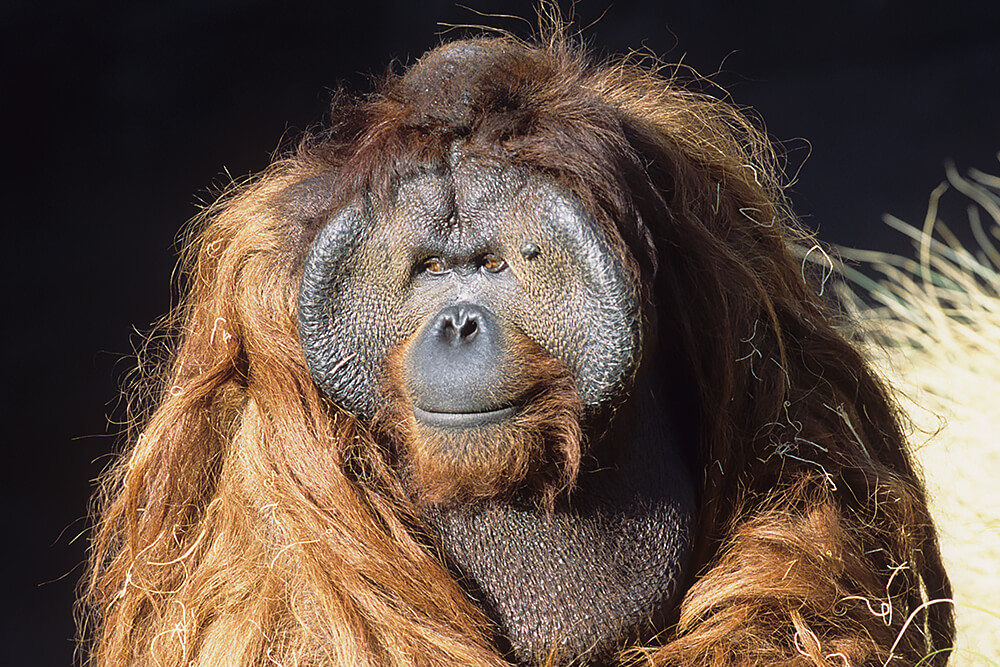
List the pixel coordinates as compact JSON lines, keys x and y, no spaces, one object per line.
{"x":251,"y":522}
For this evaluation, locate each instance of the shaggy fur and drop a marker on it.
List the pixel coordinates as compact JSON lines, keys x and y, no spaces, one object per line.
{"x":253,"y":523}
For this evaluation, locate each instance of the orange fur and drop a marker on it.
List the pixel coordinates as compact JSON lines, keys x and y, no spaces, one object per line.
{"x":253,"y":523}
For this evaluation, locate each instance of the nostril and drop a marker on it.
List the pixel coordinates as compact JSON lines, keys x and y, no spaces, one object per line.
{"x":469,"y":329}
{"x":458,"y":327}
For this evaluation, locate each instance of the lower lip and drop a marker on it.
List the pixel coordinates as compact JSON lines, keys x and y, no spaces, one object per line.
{"x":462,"y":419}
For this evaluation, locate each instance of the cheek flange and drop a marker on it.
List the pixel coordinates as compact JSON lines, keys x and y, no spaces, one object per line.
{"x":344,"y":322}
{"x":580,"y":302}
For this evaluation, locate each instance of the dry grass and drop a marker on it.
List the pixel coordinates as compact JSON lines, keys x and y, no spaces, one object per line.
{"x":933,"y":327}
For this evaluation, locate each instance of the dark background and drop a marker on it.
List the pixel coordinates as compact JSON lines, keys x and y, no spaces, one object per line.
{"x":120,"y":120}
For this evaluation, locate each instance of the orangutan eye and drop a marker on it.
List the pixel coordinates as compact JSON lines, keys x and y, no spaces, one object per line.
{"x":492,"y":263}
{"x":434,"y":266}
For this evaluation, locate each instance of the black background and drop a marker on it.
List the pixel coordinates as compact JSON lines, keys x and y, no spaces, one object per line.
{"x":120,"y":120}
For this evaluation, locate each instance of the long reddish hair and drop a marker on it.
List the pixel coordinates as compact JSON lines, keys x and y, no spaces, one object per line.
{"x":251,"y":522}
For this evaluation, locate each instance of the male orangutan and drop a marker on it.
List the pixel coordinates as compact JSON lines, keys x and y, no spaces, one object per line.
{"x":515,"y":363}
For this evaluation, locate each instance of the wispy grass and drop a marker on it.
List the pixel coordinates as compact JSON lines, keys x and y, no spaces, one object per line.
{"x":932,"y":325}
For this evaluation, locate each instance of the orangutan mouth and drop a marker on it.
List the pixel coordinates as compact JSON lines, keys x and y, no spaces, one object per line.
{"x":462,"y":419}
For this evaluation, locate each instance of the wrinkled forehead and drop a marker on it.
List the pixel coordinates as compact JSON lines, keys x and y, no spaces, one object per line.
{"x":475,"y":202}
{"x":463,"y":193}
